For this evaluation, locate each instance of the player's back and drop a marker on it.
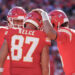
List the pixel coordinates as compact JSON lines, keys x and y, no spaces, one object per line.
{"x":66,"y":45}
{"x":25,"y":48}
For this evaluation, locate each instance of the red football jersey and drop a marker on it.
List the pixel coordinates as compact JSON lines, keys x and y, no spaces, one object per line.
{"x":25,"y":48}
{"x":2,"y":31}
{"x":66,"y":45}
{"x":2,"y":34}
{"x":7,"y":66}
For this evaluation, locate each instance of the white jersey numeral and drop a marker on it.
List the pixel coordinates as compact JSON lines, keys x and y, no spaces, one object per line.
{"x":35,"y":41}
{"x":18,"y":47}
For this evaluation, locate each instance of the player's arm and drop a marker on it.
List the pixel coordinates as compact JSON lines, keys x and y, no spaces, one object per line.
{"x":47,"y":26}
{"x":45,"y":63}
{"x":3,"y":55}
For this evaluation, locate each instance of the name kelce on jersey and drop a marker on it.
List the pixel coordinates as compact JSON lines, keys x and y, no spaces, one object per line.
{"x":30,"y":32}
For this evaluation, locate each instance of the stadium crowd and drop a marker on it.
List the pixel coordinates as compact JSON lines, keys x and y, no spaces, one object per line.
{"x":67,"y":5}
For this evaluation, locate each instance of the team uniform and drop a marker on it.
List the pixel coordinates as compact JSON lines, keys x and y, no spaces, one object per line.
{"x":25,"y":48}
{"x":66,"y":45}
{"x":7,"y":66}
{"x":2,"y":31}
{"x":2,"y":34}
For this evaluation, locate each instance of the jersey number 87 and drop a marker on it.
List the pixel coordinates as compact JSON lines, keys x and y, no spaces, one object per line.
{"x":18,"y":47}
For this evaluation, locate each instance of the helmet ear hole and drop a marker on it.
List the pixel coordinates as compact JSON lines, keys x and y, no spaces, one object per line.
{"x":64,"y":24}
{"x":8,"y":21}
{"x":24,"y":25}
{"x":53,"y":25}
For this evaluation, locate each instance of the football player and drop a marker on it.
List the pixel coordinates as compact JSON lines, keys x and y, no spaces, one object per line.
{"x":64,"y":37}
{"x":12,"y":15}
{"x":28,"y":48}
{"x":3,"y":29}
{"x":65,"y":40}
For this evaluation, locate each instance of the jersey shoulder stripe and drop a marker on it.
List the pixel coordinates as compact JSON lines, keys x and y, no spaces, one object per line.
{"x":3,"y":27}
{"x":67,"y":32}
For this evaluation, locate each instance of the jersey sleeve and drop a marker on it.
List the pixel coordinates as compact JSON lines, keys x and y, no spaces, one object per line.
{"x":3,"y":29}
{"x":64,"y":36}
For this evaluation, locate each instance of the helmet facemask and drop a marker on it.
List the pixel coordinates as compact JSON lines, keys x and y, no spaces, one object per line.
{"x":16,"y":22}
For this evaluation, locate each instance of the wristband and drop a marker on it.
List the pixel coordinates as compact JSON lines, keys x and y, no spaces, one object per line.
{"x":1,"y":69}
{"x":44,"y":16}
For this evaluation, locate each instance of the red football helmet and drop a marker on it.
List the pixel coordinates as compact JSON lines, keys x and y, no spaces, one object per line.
{"x":16,"y":13}
{"x":34,"y":18}
{"x":58,"y":17}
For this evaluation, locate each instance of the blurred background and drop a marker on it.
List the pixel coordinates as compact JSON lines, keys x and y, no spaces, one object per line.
{"x":68,"y":6}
